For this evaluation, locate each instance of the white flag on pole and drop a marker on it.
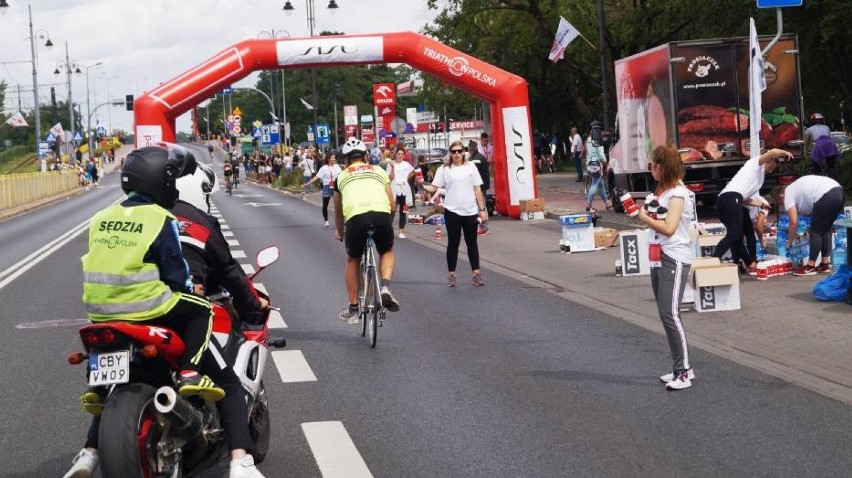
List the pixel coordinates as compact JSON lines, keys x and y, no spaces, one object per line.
{"x":17,"y":120}
{"x":565,"y":34}
{"x":307,"y":105}
{"x":757,"y":83}
{"x":57,"y":131}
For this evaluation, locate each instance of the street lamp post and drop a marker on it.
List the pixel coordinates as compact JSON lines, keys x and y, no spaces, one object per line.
{"x":33,"y":56}
{"x":69,"y":68}
{"x":88,"y":107}
{"x":283,"y":123}
{"x":288,"y":9}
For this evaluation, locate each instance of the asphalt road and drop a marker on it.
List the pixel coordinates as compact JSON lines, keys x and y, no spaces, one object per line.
{"x":499,"y":381}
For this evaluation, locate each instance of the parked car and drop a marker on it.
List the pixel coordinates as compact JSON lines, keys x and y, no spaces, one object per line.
{"x":842,"y":141}
{"x":433,"y":155}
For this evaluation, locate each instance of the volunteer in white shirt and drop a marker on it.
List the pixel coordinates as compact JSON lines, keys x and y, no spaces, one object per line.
{"x":400,"y":171}
{"x":327,"y":174}
{"x":823,"y":199}
{"x":464,"y":207}
{"x":745,"y":184}
{"x":577,"y":153}
{"x":670,"y":257}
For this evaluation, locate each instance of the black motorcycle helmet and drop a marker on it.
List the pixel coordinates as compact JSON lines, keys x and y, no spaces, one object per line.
{"x":597,"y":133}
{"x":153,"y":170}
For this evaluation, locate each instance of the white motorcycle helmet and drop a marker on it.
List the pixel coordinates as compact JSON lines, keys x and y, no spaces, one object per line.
{"x":195,"y":188}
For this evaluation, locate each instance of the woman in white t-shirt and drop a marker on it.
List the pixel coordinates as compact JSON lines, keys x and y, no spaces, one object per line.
{"x":737,"y":193}
{"x":327,"y":174}
{"x":464,"y":205}
{"x":400,"y":171}
{"x":671,"y":257}
{"x":823,"y":199}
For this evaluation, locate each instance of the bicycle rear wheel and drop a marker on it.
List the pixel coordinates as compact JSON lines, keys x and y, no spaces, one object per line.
{"x":373,"y":302}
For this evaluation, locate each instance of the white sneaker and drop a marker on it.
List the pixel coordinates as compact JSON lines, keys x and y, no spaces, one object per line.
{"x":670,"y":376}
{"x":680,"y":382}
{"x":402,"y":235}
{"x":388,"y":300}
{"x":84,"y":464}
{"x":326,"y":223}
{"x":244,"y":468}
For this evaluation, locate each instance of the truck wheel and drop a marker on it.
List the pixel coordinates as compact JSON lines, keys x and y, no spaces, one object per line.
{"x":616,"y":204}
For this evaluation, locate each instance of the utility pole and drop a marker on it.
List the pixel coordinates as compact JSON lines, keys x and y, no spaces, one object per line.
{"x":605,"y":90}
{"x":336,"y":136}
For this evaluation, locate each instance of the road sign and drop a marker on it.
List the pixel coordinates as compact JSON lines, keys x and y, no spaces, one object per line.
{"x":778,"y":3}
{"x":50,"y":137}
{"x":101,"y":132}
{"x":227,"y":90}
{"x":78,"y":138}
{"x":323,"y":134}
{"x":43,"y":148}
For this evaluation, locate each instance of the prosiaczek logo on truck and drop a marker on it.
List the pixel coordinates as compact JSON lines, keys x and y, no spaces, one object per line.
{"x":701,"y":65}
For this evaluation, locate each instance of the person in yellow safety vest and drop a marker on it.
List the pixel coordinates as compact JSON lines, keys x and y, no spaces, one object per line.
{"x":135,"y":271}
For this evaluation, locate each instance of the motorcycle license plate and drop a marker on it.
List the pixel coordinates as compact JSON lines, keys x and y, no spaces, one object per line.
{"x":109,"y":368}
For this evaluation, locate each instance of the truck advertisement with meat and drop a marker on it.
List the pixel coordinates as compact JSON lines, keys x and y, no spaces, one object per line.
{"x":695,"y":94}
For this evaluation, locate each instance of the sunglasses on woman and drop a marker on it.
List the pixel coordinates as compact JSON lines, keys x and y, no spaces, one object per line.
{"x":457,"y":151}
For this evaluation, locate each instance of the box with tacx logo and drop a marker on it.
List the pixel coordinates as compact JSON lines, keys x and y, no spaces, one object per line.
{"x":716,"y":285}
{"x":634,"y":252}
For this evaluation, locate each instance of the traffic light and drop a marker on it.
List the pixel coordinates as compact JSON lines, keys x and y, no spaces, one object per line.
{"x":128,"y":102}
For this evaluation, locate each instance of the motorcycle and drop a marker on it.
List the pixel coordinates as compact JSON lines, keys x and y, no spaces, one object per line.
{"x":146,"y":428}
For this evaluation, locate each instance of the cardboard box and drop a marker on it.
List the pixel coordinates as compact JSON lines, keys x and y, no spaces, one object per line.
{"x":716,"y":285}
{"x":605,"y":237}
{"x":847,"y":211}
{"x":532,"y":205}
{"x":707,"y":244}
{"x":531,"y":216}
{"x":634,"y":252}
{"x":579,"y":237}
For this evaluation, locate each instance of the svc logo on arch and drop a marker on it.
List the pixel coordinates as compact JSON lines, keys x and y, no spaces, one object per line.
{"x":306,"y":51}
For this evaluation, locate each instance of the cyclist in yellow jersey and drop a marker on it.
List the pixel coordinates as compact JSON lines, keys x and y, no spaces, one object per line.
{"x":363,"y":198}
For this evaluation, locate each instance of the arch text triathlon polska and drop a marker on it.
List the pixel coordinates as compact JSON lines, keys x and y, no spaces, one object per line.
{"x":459,"y":66}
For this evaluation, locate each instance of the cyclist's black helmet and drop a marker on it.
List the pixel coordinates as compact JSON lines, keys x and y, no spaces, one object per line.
{"x":153,"y":171}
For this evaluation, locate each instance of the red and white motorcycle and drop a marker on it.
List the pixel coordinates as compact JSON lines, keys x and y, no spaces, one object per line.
{"x":146,"y":428}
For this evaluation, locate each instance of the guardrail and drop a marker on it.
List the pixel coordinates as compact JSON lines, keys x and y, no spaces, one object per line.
{"x":19,"y":189}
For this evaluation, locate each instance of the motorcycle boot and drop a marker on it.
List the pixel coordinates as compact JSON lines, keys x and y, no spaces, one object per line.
{"x":92,"y":400}
{"x":192,"y":383}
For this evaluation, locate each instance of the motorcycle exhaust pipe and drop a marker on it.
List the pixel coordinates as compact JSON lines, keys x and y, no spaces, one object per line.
{"x":186,"y":421}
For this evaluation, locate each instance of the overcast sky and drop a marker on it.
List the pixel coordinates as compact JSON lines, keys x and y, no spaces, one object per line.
{"x":143,"y":43}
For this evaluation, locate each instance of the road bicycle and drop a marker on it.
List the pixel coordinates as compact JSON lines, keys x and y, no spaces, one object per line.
{"x":370,"y":308}
{"x":228,"y":184}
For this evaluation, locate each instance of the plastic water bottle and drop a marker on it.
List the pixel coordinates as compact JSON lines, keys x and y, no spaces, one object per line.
{"x":761,"y":252}
{"x":803,"y":224}
{"x":838,"y":257}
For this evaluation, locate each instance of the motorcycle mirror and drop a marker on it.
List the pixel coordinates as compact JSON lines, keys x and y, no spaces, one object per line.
{"x":267,"y":256}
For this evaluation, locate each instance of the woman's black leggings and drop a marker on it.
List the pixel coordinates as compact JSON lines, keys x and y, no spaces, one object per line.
{"x":400,"y":206}
{"x":325,"y":201}
{"x":455,"y":225}
{"x":732,"y":214}
{"x":825,"y":212}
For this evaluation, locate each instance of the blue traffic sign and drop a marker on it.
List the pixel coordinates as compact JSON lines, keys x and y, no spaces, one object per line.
{"x":226,"y":91}
{"x":323,"y":136}
{"x":78,"y":137}
{"x":778,"y":3}
{"x":50,"y":137}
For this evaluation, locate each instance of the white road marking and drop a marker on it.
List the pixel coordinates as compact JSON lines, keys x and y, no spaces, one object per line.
{"x":238,"y":254}
{"x":334,"y":450}
{"x":247,"y":268}
{"x":292,"y":366}
{"x":233,"y":242}
{"x":227,"y":233}
{"x":275,"y":320}
{"x":259,"y":286}
{"x":225,"y":227}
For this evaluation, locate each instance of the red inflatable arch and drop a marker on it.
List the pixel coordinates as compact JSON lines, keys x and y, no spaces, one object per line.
{"x":157,"y":110}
